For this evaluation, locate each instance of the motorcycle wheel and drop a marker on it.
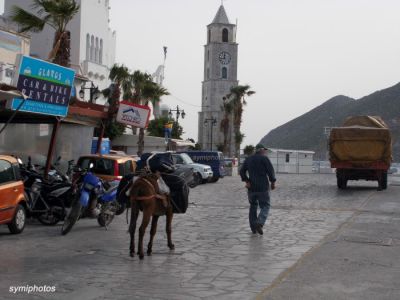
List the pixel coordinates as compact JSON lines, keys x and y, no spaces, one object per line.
{"x":71,"y":218}
{"x":105,"y":219}
{"x":121,"y":209}
{"x":107,"y":214}
{"x":48,"y":219}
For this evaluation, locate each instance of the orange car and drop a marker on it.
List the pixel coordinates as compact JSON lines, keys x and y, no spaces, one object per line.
{"x":12,"y":197}
{"x":108,"y":167}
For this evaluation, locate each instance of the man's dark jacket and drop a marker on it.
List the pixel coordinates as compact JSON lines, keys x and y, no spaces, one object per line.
{"x":257,"y":169}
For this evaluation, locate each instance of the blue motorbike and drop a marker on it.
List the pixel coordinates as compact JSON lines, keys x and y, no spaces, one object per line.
{"x":95,"y":199}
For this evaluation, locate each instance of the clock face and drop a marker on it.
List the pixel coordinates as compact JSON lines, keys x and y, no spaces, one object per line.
{"x":224,"y":58}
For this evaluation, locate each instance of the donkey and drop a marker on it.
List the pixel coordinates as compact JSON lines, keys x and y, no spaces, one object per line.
{"x":145,"y":196}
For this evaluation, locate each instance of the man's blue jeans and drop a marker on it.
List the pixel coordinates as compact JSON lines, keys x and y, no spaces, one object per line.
{"x":258,"y":199}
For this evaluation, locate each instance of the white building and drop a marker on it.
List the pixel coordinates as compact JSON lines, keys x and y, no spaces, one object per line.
{"x":11,"y":44}
{"x":291,"y":161}
{"x":93,"y":43}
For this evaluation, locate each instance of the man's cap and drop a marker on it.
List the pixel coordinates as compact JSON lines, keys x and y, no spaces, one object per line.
{"x":260,"y":146}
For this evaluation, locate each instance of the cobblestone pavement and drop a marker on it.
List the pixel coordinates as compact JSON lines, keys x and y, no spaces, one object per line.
{"x":216,"y":255}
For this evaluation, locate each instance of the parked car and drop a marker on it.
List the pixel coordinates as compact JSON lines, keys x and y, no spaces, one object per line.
{"x":200,"y":171}
{"x":214,"y":159}
{"x":12,"y":196}
{"x":108,"y":167}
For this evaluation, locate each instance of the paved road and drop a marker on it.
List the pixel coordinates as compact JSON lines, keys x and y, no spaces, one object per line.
{"x":216,"y":255}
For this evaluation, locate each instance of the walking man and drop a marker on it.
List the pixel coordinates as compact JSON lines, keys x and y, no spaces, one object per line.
{"x":257,"y":171}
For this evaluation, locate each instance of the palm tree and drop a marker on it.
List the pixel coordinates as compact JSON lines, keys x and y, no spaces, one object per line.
{"x":153,"y":92}
{"x":140,"y":82}
{"x":54,"y":13}
{"x":120,"y":77}
{"x":237,"y":95}
{"x":225,"y":125}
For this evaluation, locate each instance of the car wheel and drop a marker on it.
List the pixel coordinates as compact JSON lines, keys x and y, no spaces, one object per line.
{"x":17,"y":224}
{"x":196,"y":179}
{"x":214,"y":179}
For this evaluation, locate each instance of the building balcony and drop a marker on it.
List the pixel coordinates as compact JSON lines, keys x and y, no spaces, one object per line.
{"x":94,"y":70}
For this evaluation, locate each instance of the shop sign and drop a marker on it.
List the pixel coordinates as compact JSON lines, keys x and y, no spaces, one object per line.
{"x":47,"y":87}
{"x":133,"y":114}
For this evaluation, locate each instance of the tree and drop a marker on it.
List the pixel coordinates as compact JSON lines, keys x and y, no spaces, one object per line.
{"x":248,"y":150}
{"x":140,"y":89}
{"x":156,"y":128}
{"x":148,"y":91}
{"x":120,"y":77}
{"x":237,"y":97}
{"x":54,"y":13}
{"x":227,"y":108}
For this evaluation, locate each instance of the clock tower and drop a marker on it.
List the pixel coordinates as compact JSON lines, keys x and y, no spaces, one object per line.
{"x":220,"y":74}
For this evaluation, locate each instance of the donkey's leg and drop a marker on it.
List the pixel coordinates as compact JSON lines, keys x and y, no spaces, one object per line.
{"x":147,"y":213}
{"x":152,"y":234}
{"x":169,"y":216}
{"x":132,"y":227}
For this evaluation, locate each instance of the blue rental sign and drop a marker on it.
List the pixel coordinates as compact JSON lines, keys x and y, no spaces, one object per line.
{"x":47,"y":87}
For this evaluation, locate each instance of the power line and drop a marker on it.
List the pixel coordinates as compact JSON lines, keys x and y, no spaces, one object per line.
{"x":180,"y":100}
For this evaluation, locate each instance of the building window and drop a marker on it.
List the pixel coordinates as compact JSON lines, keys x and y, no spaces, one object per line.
{"x":209,"y":35}
{"x":224,"y":73}
{"x":87,"y":46}
{"x":208,"y":73}
{"x":92,"y":48}
{"x":96,"y":51}
{"x":224,"y":35}
{"x":9,"y":73}
{"x":101,"y":52}
{"x":208,"y":55}
{"x":287,"y":157}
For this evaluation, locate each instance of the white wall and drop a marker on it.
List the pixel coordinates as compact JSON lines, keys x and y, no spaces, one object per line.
{"x":299,"y":162}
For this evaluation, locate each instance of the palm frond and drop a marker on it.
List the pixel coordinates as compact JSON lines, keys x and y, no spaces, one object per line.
{"x":26,"y":20}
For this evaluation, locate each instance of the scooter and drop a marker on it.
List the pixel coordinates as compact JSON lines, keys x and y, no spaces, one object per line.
{"x":95,"y":199}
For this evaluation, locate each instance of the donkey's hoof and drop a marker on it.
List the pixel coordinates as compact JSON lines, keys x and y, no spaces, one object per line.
{"x":132,"y":254}
{"x":141,"y":256}
{"x":149,"y":252}
{"x":171,"y":246}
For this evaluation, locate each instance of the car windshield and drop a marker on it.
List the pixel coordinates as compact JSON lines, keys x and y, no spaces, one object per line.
{"x":186,"y":158}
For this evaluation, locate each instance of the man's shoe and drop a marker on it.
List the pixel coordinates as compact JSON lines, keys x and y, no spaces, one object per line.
{"x":253,"y":231}
{"x":259,"y":229}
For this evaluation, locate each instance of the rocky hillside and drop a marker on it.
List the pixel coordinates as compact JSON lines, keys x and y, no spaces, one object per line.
{"x":307,"y":131}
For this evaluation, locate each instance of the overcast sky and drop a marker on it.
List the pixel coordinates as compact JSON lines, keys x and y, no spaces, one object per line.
{"x":295,"y":54}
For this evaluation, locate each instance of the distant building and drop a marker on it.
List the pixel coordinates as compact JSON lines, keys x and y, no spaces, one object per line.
{"x":93,"y":43}
{"x":220,"y":74}
{"x":11,"y":44}
{"x":291,"y":161}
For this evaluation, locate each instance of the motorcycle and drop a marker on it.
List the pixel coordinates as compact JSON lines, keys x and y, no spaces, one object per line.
{"x":95,"y":199}
{"x":47,"y":199}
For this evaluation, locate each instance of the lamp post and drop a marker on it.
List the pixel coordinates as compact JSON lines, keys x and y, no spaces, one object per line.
{"x":94,"y":92}
{"x":179,"y":112}
{"x":213,"y":122}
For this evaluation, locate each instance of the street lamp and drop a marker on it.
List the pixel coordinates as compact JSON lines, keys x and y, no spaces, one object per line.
{"x":213,"y":122}
{"x":94,"y":92}
{"x":179,"y":113}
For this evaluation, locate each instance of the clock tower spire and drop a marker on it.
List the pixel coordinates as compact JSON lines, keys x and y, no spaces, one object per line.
{"x":220,"y":74}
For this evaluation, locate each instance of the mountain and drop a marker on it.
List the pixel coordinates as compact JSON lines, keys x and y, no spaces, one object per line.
{"x":306,"y":132}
